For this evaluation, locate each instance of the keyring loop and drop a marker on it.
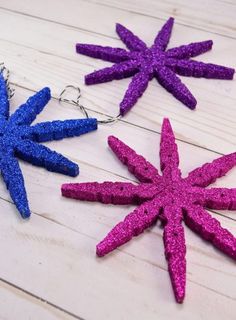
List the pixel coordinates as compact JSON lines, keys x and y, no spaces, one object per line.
{"x":74,"y":102}
{"x":6,"y":75}
{"x":81,"y":107}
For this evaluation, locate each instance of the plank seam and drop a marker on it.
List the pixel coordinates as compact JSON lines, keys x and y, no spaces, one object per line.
{"x":159,"y":18}
{"x":125,"y":121}
{"x":114,"y":7}
{"x":41,"y":299}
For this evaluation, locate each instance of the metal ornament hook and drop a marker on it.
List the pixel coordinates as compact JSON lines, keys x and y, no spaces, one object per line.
{"x":76,"y":102}
{"x":6,"y":75}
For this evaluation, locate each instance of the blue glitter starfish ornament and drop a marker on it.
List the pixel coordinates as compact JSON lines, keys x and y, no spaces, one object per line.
{"x":143,"y":63}
{"x":18,"y":139}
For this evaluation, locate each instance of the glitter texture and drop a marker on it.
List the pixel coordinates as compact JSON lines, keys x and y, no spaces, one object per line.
{"x":143,"y":63}
{"x":19,"y":139}
{"x":167,"y":197}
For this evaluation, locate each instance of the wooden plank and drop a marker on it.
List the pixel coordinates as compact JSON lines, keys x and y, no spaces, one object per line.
{"x":221,"y":19}
{"x":59,"y":264}
{"x":60,"y":241}
{"x":213,"y":16}
{"x":83,"y":152}
{"x":211,"y":126}
{"x":53,"y":255}
{"x":17,"y":304}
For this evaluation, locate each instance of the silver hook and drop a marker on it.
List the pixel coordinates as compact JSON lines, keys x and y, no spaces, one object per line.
{"x":81,"y":107}
{"x":74,"y":102}
{"x":6,"y":75}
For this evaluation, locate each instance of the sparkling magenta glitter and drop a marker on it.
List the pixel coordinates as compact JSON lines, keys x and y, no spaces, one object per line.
{"x":169,"y":198}
{"x":19,"y":139}
{"x":143,"y":63}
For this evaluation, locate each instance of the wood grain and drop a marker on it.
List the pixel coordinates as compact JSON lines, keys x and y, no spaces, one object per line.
{"x":48,"y":268}
{"x":211,"y":126}
{"x":216,"y":16}
{"x":15,"y":303}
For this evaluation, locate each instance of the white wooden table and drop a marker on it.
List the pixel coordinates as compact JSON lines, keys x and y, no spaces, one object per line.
{"x":48,"y":267}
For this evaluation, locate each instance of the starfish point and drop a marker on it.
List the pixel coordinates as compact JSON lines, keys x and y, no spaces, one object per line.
{"x":167,"y":197}
{"x":143,"y":64}
{"x":18,"y":139}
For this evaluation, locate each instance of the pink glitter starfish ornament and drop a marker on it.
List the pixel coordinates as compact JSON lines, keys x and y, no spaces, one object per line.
{"x":169,"y":198}
{"x":143,"y":63}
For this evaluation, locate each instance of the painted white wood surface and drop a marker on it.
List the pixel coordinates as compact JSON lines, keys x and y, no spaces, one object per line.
{"x":47,"y":49}
{"x":48,"y":268}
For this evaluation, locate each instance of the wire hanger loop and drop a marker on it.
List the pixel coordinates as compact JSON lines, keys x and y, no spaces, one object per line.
{"x":6,"y":75}
{"x":77,"y":103}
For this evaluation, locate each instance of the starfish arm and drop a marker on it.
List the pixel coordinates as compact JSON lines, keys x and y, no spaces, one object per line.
{"x":190,"y":50}
{"x":103,"y":53}
{"x":175,"y":251}
{"x":131,"y":41}
{"x":14,"y":181}
{"x":134,"y":224}
{"x":210,"y":172}
{"x":109,"y":192}
{"x":28,"y":111}
{"x":169,"y":157}
{"x":210,"y":229}
{"x":219,"y":198}
{"x":42,"y":156}
{"x":191,"y":68}
{"x":116,"y":72}
{"x":162,"y":39}
{"x":168,"y":79}
{"x":135,"y":90}
{"x":4,"y":102}
{"x":55,"y":130}
{"x":143,"y":170}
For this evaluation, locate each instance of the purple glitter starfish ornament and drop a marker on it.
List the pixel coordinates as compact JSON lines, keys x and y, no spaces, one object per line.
{"x":143,"y":63}
{"x":19,"y":139}
{"x":169,"y":198}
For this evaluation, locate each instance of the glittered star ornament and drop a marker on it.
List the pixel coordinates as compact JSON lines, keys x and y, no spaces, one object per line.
{"x":18,"y":139}
{"x":167,"y":197}
{"x":143,"y":63}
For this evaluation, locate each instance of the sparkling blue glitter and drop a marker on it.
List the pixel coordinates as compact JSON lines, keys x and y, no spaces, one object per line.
{"x":19,"y":139}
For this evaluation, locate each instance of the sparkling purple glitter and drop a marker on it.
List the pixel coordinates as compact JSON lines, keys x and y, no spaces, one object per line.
{"x":143,"y":63}
{"x":167,"y":197}
{"x":19,"y":139}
